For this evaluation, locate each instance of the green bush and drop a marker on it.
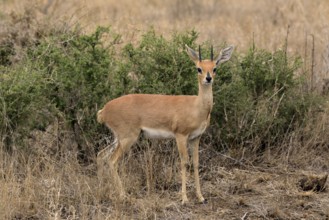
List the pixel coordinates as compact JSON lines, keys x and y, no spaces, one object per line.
{"x":23,"y":106}
{"x":67,"y":74}
{"x":161,"y":66}
{"x":71,"y":75}
{"x":78,"y":67}
{"x":258,"y":100}
{"x":6,"y":51}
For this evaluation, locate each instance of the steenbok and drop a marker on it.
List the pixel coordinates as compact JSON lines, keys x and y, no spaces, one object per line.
{"x":182,"y":117}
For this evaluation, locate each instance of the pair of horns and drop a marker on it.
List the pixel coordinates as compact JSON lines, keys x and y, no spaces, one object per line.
{"x":211,"y":53}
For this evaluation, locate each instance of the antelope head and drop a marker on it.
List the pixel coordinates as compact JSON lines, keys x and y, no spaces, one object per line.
{"x":207,"y":68}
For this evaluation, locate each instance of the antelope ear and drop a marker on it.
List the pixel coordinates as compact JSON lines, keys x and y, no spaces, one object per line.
{"x":224,"y":55}
{"x":192,"y":54}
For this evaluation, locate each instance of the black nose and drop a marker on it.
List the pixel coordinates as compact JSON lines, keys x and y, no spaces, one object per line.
{"x":208,"y":78}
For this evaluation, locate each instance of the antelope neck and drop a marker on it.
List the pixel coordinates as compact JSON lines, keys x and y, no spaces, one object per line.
{"x":205,"y":97}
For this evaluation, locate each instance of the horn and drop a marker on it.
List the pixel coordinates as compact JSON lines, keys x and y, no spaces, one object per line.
{"x":200,"y":54}
{"x":212,"y":53}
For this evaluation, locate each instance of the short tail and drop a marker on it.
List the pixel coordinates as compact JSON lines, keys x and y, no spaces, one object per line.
{"x":100,"y":117}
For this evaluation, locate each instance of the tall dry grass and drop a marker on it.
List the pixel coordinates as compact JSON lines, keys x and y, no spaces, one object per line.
{"x":52,"y":184}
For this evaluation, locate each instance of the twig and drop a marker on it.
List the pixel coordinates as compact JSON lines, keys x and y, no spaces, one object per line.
{"x":245,"y":216}
{"x":231,"y":158}
{"x":305,"y":52}
{"x":313,"y":63}
{"x":286,"y":44}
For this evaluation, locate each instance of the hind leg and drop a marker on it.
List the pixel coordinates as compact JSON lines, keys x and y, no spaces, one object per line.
{"x":114,"y":154}
{"x":103,"y":168}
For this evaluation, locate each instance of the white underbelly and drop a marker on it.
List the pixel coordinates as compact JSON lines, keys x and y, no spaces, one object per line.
{"x":199,"y":131}
{"x":157,"y":133}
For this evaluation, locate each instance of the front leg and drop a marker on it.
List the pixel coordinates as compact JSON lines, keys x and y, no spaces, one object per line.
{"x":183,"y":154}
{"x":195,"y":146}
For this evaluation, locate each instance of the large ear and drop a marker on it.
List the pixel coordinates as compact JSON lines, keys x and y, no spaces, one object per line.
{"x":224,"y":55}
{"x":192,"y":54}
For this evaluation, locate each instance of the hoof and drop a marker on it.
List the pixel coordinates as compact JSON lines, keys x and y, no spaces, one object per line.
{"x":122,"y":195}
{"x":205,"y":201}
{"x":184,"y":201}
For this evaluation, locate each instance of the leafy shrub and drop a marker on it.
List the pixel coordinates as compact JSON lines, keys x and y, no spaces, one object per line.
{"x":6,"y":51}
{"x":161,"y":66}
{"x":71,"y":75}
{"x":23,"y":105}
{"x":78,"y":67}
{"x":68,"y":72}
{"x":258,"y":100}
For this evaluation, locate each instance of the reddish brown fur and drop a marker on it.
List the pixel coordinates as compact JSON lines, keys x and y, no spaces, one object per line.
{"x":135,"y":111}
{"x":183,"y":117}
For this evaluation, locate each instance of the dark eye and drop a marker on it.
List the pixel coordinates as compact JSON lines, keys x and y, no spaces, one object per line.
{"x":199,"y":70}
{"x":214,"y":70}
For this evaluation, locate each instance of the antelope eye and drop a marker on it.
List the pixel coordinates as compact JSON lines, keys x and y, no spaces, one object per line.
{"x":199,"y":70}
{"x":214,"y":70}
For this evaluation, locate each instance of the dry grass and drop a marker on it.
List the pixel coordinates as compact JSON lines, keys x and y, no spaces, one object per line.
{"x":49,"y":183}
{"x":41,"y":187}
